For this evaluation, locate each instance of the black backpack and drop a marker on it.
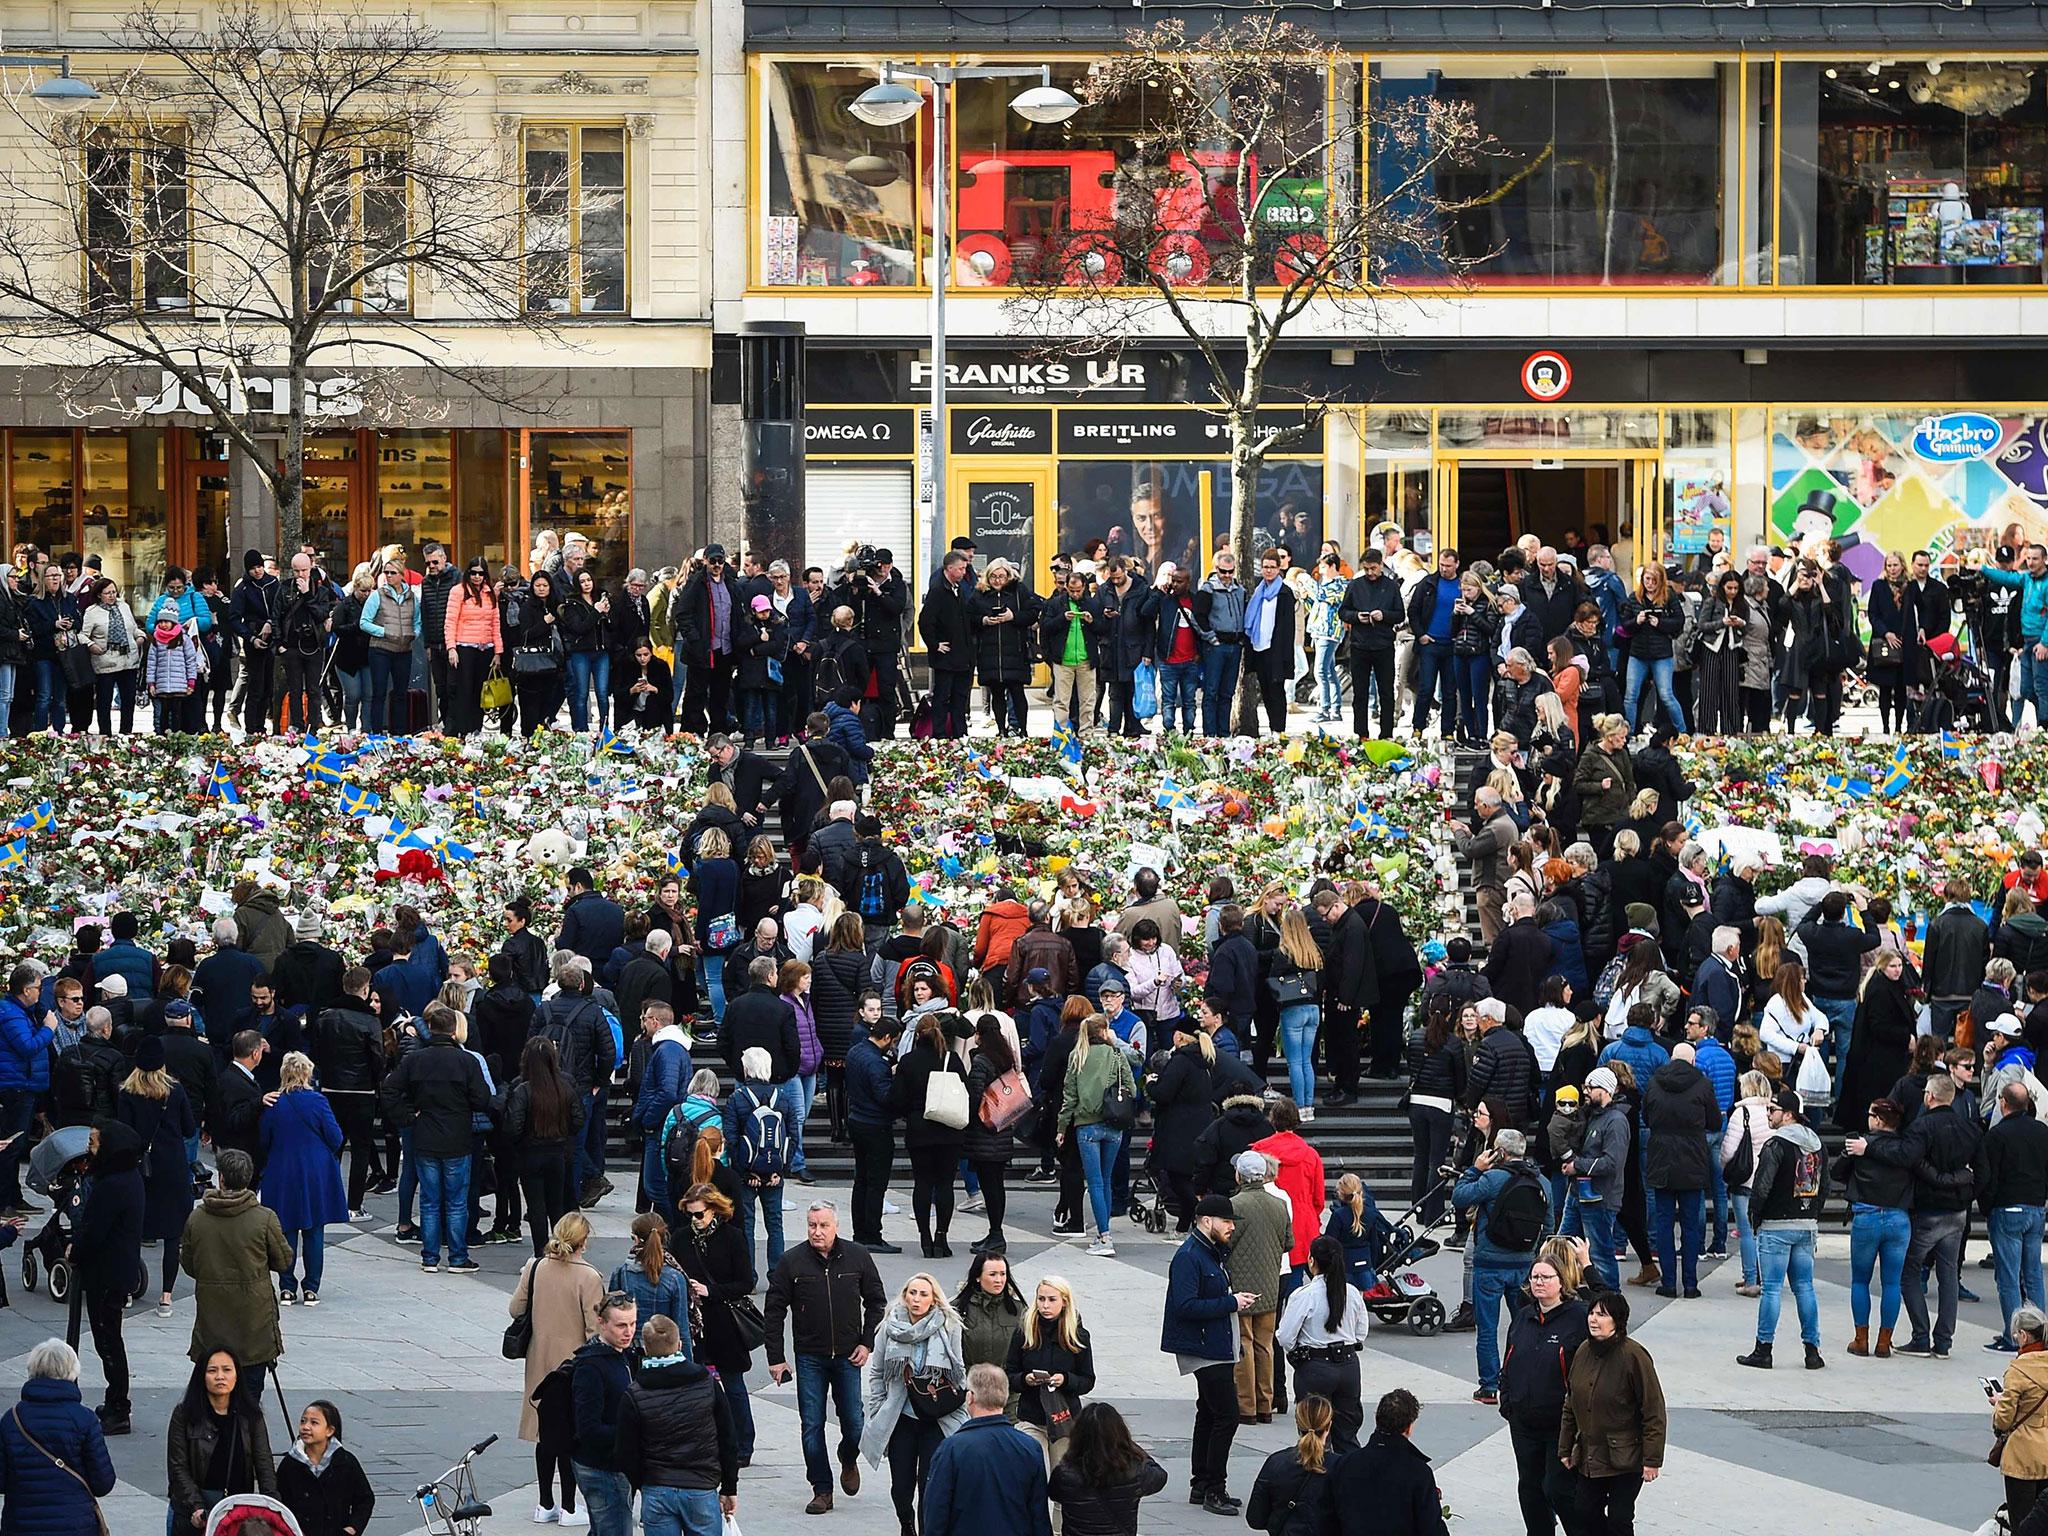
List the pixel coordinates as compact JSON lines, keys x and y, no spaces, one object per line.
{"x":1519,"y":1214}
{"x":874,"y":887}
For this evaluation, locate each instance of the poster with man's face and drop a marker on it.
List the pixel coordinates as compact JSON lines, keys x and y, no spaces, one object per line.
{"x":1151,"y":510}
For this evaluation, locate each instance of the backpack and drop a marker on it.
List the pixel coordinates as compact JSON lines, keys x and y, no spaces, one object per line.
{"x":678,"y":1151}
{"x":618,"y":1036}
{"x":1516,"y":1222}
{"x":874,"y":889}
{"x":764,"y":1138}
{"x":1741,"y":1167}
{"x":1610,"y":978}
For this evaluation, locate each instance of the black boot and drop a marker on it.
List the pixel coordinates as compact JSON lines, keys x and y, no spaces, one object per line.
{"x":1760,"y":1357}
{"x":1813,"y":1359}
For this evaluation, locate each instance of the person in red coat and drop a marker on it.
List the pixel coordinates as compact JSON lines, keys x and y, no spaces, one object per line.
{"x":1300,"y":1178}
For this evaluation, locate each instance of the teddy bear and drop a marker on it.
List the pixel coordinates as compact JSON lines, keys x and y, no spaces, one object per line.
{"x":552,"y":848}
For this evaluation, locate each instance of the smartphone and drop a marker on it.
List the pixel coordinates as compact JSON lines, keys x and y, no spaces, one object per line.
{"x":1991,"y":1385}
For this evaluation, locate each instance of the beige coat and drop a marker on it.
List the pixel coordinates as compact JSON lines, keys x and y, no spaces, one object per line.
{"x":2022,"y":1413}
{"x":564,"y":1294}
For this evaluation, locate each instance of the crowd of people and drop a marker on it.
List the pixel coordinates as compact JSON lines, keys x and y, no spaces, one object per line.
{"x":1699,"y":642}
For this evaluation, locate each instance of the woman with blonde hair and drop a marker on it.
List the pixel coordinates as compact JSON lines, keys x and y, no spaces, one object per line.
{"x":1296,"y":980}
{"x":1291,"y":1494}
{"x":561,"y":1293}
{"x":1568,"y":1256}
{"x":1655,"y":616}
{"x":916,"y":1391}
{"x":302,"y":1172}
{"x":1749,"y":1127}
{"x":1095,"y":1072}
{"x":1051,"y":1367}
{"x":153,"y":1105}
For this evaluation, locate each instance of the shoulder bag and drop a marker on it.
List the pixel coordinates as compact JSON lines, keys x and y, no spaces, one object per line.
{"x":1295,"y":986}
{"x":1005,"y":1102}
{"x":945,"y":1098}
{"x":497,"y":690}
{"x":748,"y":1323}
{"x":78,"y":1477}
{"x":519,"y":1332}
{"x":1992,"y":1457}
{"x":933,"y":1394}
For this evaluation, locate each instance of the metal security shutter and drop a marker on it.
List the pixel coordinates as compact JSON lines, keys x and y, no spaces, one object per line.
{"x":866,"y":504}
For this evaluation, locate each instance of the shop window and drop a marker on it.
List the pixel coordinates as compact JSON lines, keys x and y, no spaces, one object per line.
{"x":138,"y":228}
{"x":1537,"y":427}
{"x":1027,"y":193}
{"x":481,"y":524}
{"x":1915,"y":174}
{"x":40,"y":490}
{"x":126,"y":521}
{"x":327,"y":501}
{"x":841,"y":200}
{"x":415,"y":490}
{"x":1589,"y":174}
{"x":361,"y":231}
{"x":576,"y":219}
{"x":582,"y":482}
{"x":1175,"y":510}
{"x":1699,"y":473}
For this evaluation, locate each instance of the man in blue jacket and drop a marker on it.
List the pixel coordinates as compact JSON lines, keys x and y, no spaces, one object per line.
{"x":1715,"y":985}
{"x":1199,"y":1329}
{"x":592,"y":925}
{"x":1510,"y":1204}
{"x":597,"y":1386}
{"x":2033,"y":627}
{"x":222,"y":980}
{"x":24,"y":1077}
{"x":1234,"y":973}
{"x":988,"y":1477}
{"x":664,"y":1083}
{"x":125,"y":958}
{"x":847,"y":733}
{"x":1702,"y":1031}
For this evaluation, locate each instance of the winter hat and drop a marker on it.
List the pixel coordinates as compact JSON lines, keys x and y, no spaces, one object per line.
{"x":115,"y":985}
{"x":1568,"y":1095}
{"x":252,"y":560}
{"x":1642,"y":916}
{"x":1215,"y":1205}
{"x":1252,"y":1168}
{"x":309,"y":927}
{"x":1601,"y":1077}
{"x":149,"y":1054}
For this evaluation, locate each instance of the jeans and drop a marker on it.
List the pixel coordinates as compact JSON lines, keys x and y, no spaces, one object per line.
{"x":1298,"y":1023}
{"x":1475,"y":694}
{"x":390,"y":675}
{"x":590,"y":1153}
{"x":1787,"y":1255}
{"x":680,"y":1512}
{"x":444,"y":1204}
{"x":609,"y":1499}
{"x":1745,"y":1236}
{"x":760,"y":711}
{"x":313,"y":1243}
{"x":1436,"y":676}
{"x":1840,"y":1013}
{"x":1431,"y":1128}
{"x":1329,"y":684}
{"x":1220,"y":670}
{"x":1660,"y":672}
{"x":9,"y":671}
{"x":1179,"y":683}
{"x":107,"y":686}
{"x":1598,"y":1222}
{"x":1490,"y":1284}
{"x":815,"y":1374}
{"x":797,"y":1095}
{"x":1937,"y":1240}
{"x":1717,"y":1196}
{"x":2033,"y":685}
{"x":1098,"y":1144}
{"x":769,"y":1198}
{"x":2015,"y":1258}
{"x":51,"y":688}
{"x":1687,"y":1207}
{"x":588,"y":669}
{"x":1878,"y":1238}
{"x":711,"y":967}
{"x":353,"y":685}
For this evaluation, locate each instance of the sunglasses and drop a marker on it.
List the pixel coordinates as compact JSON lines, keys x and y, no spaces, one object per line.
{"x":699,"y":1214}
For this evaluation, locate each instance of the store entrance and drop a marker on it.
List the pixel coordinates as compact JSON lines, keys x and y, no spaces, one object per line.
{"x":1499,"y":503}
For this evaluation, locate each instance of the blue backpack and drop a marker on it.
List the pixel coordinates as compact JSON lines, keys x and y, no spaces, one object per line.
{"x":764,"y":1135}
{"x":874,"y":890}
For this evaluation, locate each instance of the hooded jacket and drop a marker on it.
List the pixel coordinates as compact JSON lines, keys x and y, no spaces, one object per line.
{"x":675,"y":1430}
{"x":1242,"y":1123}
{"x":1681,"y":1112}
{"x":1791,"y":1179}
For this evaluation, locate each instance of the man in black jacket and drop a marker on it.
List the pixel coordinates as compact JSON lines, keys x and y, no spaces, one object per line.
{"x":592,"y":925}
{"x":440,"y":580}
{"x":190,"y":1060}
{"x":305,"y":605}
{"x":1551,"y":594}
{"x":1958,"y":948}
{"x":1504,"y":1070}
{"x":88,"y":1074}
{"x":676,"y":1441}
{"x":801,"y":789}
{"x":1680,"y":1113}
{"x":436,"y":1091}
{"x":1371,"y":613}
{"x":1127,"y":626}
{"x":879,"y":597}
{"x":599,"y":1375}
{"x":1397,"y":976}
{"x":1519,"y":959}
{"x":1269,"y":639}
{"x":1940,"y":1146}
{"x":308,"y":974}
{"x":747,"y":774}
{"x":1234,"y":974}
{"x":348,"y":1048}
{"x":2012,"y":1191}
{"x":1386,"y":1487}
{"x":703,"y":616}
{"x":238,"y":1102}
{"x":829,"y":1290}
{"x":252,"y":618}
{"x":574,"y":1019}
{"x":1350,"y":987}
{"x":947,"y":626}
{"x":759,"y":1017}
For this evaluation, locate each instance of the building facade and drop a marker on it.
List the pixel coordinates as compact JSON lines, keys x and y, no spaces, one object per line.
{"x":1731,"y":269}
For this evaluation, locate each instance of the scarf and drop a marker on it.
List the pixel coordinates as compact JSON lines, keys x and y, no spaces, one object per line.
{"x":1259,"y":613}
{"x":167,"y":631}
{"x":117,"y":628}
{"x":913,"y":1336}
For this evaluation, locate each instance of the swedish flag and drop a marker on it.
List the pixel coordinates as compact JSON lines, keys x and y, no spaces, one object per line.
{"x":1174,"y":796}
{"x":476,"y":804}
{"x":1898,"y":776}
{"x":981,"y":767}
{"x":675,"y":865}
{"x":37,"y":820}
{"x":1855,"y":789}
{"x":15,"y":854}
{"x":451,"y":851}
{"x":1068,"y":741}
{"x":1951,"y":744}
{"x":406,"y":837}
{"x":220,"y":785}
{"x":358,"y":801}
{"x":330,"y":767}
{"x":609,"y":743}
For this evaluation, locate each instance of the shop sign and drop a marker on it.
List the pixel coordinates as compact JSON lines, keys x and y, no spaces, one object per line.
{"x":1181,"y":433}
{"x":1000,"y":432}
{"x":1294,"y":202}
{"x":256,"y":396}
{"x":1546,"y":375}
{"x":1956,"y":438}
{"x":1007,"y":375}
{"x":879,"y":430}
{"x":927,"y":459}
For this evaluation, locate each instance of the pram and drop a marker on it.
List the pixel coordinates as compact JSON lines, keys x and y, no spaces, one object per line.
{"x":56,"y":1169}
{"x":1962,"y":690}
{"x":252,"y":1514}
{"x":1403,"y":1296}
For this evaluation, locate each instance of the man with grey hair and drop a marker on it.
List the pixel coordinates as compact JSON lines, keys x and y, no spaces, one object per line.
{"x":221,"y":982}
{"x":1510,"y":1205}
{"x":88,"y":1074}
{"x":1487,"y":851}
{"x":1717,"y":984}
{"x":1518,"y":961}
{"x":231,"y":1246}
{"x":1255,"y":1263}
{"x":988,"y":1477}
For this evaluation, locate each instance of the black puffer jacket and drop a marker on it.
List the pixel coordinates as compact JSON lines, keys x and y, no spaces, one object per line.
{"x":1183,"y":1104}
{"x":675,"y":1431}
{"x":1680,"y":1110}
{"x":1086,"y":1510}
{"x":1003,"y":652}
{"x":1242,"y":1122}
{"x":348,"y":1045}
{"x":1436,"y":1074}
{"x":838,"y":977}
{"x":1504,"y":1072}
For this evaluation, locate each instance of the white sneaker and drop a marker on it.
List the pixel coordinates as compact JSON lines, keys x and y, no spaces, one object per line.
{"x":575,"y":1517}
{"x":971,"y":1204}
{"x":788,"y":1206}
{"x":1307,"y":1113}
{"x":890,"y":1207}
{"x":546,"y":1514}
{"x":1102,"y":1248}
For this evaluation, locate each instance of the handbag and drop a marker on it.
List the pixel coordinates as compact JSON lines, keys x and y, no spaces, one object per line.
{"x":1297,"y":986}
{"x":747,"y":1322}
{"x":1059,"y":1412}
{"x":1992,"y":1457}
{"x":497,"y":690}
{"x":536,"y":661}
{"x":1886,"y":651}
{"x":76,"y":659}
{"x":1119,"y":1106}
{"x":945,"y":1099}
{"x":519,"y":1332}
{"x":1005,"y":1102}
{"x":933,"y":1396}
{"x":722,"y":932}
{"x":66,"y":1468}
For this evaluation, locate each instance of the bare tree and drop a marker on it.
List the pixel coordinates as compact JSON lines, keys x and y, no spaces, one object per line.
{"x":1244,"y":213}
{"x":275,"y":214}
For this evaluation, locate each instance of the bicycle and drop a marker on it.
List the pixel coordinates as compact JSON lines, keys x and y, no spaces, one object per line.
{"x":452,"y":1498}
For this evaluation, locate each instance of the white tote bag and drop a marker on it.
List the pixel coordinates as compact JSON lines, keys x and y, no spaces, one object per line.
{"x":945,"y":1099}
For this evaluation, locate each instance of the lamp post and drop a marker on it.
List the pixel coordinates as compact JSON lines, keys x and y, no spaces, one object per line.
{"x":62,"y":92}
{"x":889,"y":102}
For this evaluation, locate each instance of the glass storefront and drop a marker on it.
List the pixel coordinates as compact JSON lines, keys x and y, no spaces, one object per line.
{"x":840,"y":199}
{"x":127,"y":523}
{"x":581,"y":482}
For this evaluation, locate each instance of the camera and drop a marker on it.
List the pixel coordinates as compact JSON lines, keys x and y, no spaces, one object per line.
{"x":866,"y":560}
{"x":1970,"y":586}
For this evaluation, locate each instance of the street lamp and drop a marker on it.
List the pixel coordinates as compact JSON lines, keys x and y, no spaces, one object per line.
{"x":63,"y":91}
{"x":889,"y":102}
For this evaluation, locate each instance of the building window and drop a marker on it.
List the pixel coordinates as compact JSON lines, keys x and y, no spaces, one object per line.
{"x":362,"y":228}
{"x":842,"y":199}
{"x":582,"y":482}
{"x":1912,"y":174}
{"x":138,"y":227}
{"x":576,"y":219}
{"x":1595,"y":173}
{"x":415,"y":488}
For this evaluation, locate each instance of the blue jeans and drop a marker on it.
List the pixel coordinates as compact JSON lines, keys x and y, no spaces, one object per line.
{"x":1436,"y":677}
{"x":1490,"y":1283}
{"x":609,"y":1499}
{"x":353,"y":685}
{"x":1475,"y":693}
{"x":1840,"y":1013}
{"x":1598,"y":1223}
{"x":51,"y":691}
{"x":1220,"y":669}
{"x":587,"y":668}
{"x":1097,"y":1144}
{"x":1660,"y":671}
{"x":2033,"y":685}
{"x":1787,"y":1255}
{"x":2015,"y":1258}
{"x":761,"y":711}
{"x":1717,"y":1196}
{"x":769,"y":1198}
{"x":1179,"y":684}
{"x":1745,"y":1237}
{"x":711,"y":968}
{"x":797,"y":1095}
{"x":1298,"y":1040}
{"x":1329,"y":682}
{"x":8,"y":672}
{"x":1878,"y":1238}
{"x":313,"y":1243}
{"x":742,"y":1413}
{"x":680,"y":1512}
{"x":815,"y":1375}
{"x":390,"y":676}
{"x":1686,"y":1207}
{"x":444,"y":1207}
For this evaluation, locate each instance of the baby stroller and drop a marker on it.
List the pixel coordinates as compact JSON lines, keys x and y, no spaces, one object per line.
{"x":56,"y":1169}
{"x":1961,"y":699}
{"x":1402,"y":1295}
{"x":252,"y":1514}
